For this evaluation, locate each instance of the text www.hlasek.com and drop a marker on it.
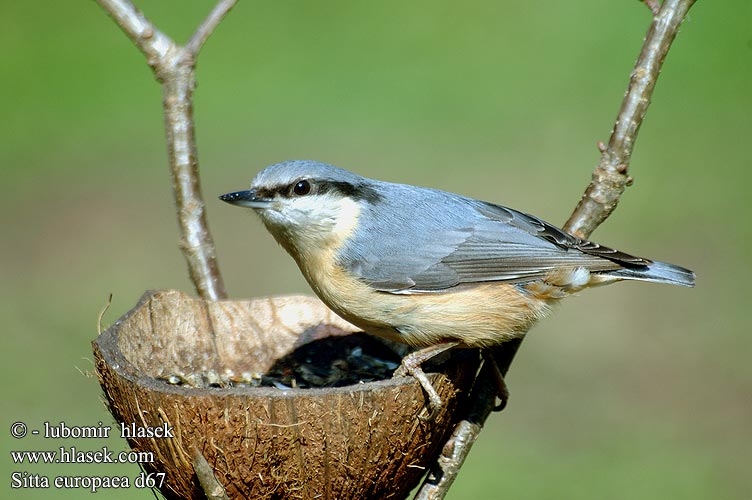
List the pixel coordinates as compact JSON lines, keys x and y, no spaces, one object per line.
{"x":72,"y":455}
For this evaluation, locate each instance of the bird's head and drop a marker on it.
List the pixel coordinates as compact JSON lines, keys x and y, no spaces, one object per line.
{"x":306,"y":204}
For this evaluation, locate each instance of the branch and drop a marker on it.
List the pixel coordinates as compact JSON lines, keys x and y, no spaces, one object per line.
{"x":152,"y":42}
{"x":213,"y":489}
{"x":173,"y":66}
{"x":610,"y":176}
{"x":482,"y":398}
{"x":207,"y":27}
{"x":600,"y":199}
{"x":653,"y":5}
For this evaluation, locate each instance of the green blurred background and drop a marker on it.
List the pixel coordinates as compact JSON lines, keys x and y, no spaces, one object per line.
{"x":630,"y":391}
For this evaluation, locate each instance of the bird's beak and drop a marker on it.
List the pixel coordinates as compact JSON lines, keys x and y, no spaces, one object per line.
{"x":246,"y":199}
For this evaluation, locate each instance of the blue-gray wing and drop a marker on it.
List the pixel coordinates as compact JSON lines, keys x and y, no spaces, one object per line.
{"x":422,"y":250}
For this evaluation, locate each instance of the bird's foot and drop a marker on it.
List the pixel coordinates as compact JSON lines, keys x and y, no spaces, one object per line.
{"x":501,"y":385}
{"x":411,"y":365}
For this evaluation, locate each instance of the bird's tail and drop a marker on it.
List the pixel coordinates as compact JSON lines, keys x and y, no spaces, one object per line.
{"x":657,"y":272}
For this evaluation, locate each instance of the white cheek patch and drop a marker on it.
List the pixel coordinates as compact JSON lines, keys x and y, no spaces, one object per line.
{"x":327,"y":220}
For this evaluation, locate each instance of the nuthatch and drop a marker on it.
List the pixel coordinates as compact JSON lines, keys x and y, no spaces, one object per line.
{"x":425,"y":267}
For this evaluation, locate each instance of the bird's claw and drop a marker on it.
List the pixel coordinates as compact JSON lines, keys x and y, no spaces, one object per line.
{"x":501,"y":384}
{"x":411,"y":366}
{"x":434,"y":400}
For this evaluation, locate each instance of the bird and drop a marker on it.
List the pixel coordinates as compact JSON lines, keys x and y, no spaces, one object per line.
{"x":429,"y":268}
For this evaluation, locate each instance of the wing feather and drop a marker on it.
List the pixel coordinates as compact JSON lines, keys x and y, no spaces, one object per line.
{"x":469,"y":241}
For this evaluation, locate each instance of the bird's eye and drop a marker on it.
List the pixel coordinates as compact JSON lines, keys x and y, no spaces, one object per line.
{"x":302,"y":188}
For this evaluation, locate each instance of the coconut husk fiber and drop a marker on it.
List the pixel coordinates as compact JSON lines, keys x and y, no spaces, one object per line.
{"x":359,"y":441}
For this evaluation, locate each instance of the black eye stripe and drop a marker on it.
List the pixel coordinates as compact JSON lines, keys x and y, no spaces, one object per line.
{"x":323,"y":186}
{"x":357,"y":192}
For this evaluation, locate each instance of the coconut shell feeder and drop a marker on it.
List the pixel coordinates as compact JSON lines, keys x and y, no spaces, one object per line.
{"x":358,"y":441}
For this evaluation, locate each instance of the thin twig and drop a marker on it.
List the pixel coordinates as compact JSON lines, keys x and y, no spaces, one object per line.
{"x":653,"y":5}
{"x":600,"y":199}
{"x":610,"y":176}
{"x":213,"y":489}
{"x":144,"y":35}
{"x":173,"y":66}
{"x":207,"y":27}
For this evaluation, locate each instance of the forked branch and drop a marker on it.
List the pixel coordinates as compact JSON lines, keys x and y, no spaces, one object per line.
{"x":173,"y":66}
